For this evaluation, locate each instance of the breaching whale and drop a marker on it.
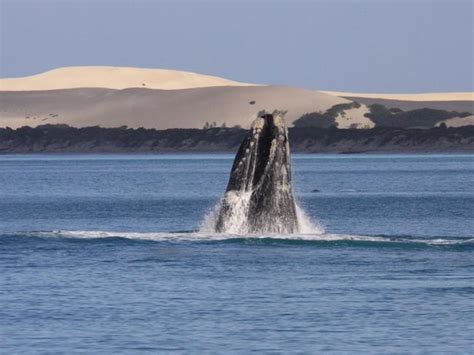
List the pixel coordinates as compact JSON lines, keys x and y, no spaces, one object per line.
{"x":259,"y":197}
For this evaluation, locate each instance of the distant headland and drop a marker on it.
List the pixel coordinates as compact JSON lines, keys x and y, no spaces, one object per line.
{"x":164,"y":99}
{"x":186,"y":107}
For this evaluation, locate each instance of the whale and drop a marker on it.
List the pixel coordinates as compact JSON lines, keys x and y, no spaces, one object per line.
{"x":259,"y":197}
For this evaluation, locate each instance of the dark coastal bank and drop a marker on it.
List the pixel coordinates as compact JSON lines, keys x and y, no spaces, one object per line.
{"x":66,"y":139}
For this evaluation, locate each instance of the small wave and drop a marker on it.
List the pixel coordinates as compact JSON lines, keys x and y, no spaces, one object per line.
{"x":210,"y":237}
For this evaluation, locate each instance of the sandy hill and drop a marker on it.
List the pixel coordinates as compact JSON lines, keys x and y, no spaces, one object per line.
{"x":113,"y":78}
{"x":432,"y":96}
{"x":158,"y":98}
{"x":451,"y":101}
{"x":458,"y":121}
{"x":148,"y":108}
{"x":407,"y":105}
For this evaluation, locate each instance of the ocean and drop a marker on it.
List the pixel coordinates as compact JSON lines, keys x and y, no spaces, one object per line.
{"x":114,"y":254}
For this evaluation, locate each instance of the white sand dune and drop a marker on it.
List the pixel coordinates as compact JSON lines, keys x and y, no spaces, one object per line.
{"x":438,"y":96}
{"x":354,"y":118}
{"x":160,"y":109}
{"x":158,"y":98}
{"x":113,"y":78}
{"x":458,"y":121}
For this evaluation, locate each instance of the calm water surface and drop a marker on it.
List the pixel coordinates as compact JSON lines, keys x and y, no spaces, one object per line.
{"x":104,"y":254}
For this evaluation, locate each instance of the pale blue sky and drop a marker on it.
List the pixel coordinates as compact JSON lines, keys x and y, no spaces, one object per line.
{"x":358,"y":45}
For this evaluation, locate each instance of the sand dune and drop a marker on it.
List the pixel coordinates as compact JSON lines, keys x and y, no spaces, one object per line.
{"x":354,"y":118}
{"x":113,"y":78}
{"x":161,"y":109}
{"x":158,"y":98}
{"x":458,"y":121}
{"x":438,"y":96}
{"x":459,"y":106}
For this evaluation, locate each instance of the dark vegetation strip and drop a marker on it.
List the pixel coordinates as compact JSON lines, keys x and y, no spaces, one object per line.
{"x":63,"y":138}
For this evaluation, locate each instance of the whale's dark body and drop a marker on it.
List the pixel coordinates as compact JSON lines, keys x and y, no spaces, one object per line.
{"x":259,"y":196}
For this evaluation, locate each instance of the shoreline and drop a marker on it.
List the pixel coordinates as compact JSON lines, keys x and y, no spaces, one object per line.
{"x":233,"y":152}
{"x":63,"y":139}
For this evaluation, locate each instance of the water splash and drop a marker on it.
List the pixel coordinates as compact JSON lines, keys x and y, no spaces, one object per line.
{"x":305,"y":224}
{"x":234,"y":219}
{"x":237,"y":221}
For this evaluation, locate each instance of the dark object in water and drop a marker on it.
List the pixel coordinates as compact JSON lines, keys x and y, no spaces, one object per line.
{"x":259,"y":197}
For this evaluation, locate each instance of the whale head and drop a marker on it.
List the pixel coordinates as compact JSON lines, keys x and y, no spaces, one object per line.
{"x":258,"y":197}
{"x":264,"y":150}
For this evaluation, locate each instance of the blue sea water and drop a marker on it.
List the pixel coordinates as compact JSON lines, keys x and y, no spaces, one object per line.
{"x":107,"y":254}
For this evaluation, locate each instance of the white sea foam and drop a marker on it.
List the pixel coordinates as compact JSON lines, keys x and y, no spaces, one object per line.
{"x":206,"y":237}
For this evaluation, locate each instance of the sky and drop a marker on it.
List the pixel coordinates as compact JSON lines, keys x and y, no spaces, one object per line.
{"x":343,"y":45}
